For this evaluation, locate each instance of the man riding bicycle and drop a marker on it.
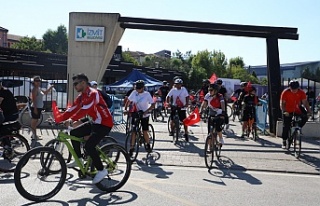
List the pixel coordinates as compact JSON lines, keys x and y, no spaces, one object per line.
{"x":179,"y":97}
{"x":216,"y":104}
{"x":142,"y":101}
{"x":240,"y":93}
{"x":89,"y":102}
{"x":249,"y":102}
{"x":291,"y":101}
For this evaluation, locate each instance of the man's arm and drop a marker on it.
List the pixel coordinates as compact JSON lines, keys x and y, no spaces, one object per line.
{"x":306,"y":105}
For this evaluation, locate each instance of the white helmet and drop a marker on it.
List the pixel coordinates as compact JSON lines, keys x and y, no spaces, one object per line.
{"x":178,"y":81}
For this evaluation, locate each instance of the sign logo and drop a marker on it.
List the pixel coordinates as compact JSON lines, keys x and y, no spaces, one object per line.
{"x":88,"y":33}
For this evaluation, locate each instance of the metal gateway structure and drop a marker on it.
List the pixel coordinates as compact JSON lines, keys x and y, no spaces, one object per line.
{"x":84,"y":54}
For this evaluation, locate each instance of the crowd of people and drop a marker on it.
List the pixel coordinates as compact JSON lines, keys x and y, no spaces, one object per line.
{"x":93,"y":103}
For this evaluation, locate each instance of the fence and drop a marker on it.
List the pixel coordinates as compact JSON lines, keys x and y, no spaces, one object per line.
{"x":262,"y":114}
{"x":117,"y":110}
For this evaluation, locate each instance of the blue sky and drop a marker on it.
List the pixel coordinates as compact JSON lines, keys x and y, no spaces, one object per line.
{"x":35,"y":17}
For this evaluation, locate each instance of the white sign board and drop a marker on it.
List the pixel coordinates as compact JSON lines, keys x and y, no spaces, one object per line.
{"x":89,"y":33}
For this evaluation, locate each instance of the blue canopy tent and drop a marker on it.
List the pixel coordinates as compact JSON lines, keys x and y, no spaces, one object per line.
{"x":126,"y":83}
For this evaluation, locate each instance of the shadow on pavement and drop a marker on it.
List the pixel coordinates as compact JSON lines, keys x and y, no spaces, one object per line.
{"x":226,"y":168}
{"x":49,"y":202}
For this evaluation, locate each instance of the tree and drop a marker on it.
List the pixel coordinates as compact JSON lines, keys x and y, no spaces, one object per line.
{"x":219,"y":64}
{"x":317,"y":74}
{"x":254,"y":74}
{"x":263,"y":81}
{"x":195,"y":77}
{"x":56,"y":41}
{"x":29,"y":43}
{"x":128,"y":58}
{"x":242,"y":74}
{"x":203,"y":59}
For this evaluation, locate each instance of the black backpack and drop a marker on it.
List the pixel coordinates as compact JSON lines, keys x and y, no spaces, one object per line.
{"x":106,"y":98}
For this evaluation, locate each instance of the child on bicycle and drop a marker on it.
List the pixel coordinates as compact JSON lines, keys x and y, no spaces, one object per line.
{"x":250,"y":101}
{"x":216,"y":104}
{"x":142,"y":101}
{"x":158,"y":105}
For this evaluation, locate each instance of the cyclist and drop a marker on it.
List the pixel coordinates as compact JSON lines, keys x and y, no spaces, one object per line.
{"x":8,"y":108}
{"x":215,"y":101}
{"x":142,"y":101}
{"x":204,"y":89}
{"x":248,"y":104}
{"x":158,"y":105}
{"x":164,"y":90}
{"x":178,"y":97}
{"x":240,"y":93}
{"x":223,"y":92}
{"x":89,"y":102}
{"x":291,"y":101}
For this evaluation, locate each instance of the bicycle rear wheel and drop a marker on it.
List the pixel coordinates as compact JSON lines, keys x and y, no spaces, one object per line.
{"x":229,"y":111}
{"x":117,"y":161}
{"x":135,"y":145}
{"x":208,"y":152}
{"x":25,"y":118}
{"x":176,"y":131}
{"x":36,"y":180}
{"x":152,"y":136}
{"x":169,"y":126}
{"x":297,"y":143}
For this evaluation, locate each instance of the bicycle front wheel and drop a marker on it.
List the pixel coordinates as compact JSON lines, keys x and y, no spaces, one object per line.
{"x":229,"y":111}
{"x":117,"y":161}
{"x":297,"y":143}
{"x":152,"y":137}
{"x":208,"y":152}
{"x":36,"y":179}
{"x":135,"y":145}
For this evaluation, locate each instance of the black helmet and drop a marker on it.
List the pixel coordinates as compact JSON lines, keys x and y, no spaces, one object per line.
{"x":164,"y":82}
{"x":294,"y":84}
{"x":219,"y":81}
{"x":214,"y":87}
{"x":206,"y":81}
{"x":243,"y":84}
{"x":139,"y":84}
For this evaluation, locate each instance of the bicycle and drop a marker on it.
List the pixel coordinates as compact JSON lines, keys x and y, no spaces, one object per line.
{"x":176,"y":121}
{"x":25,"y":113}
{"x":252,"y":127}
{"x":139,"y":138}
{"x":236,"y":112}
{"x":12,"y":144}
{"x":212,"y":146}
{"x":156,"y":112}
{"x":295,"y":135}
{"x":47,"y":165}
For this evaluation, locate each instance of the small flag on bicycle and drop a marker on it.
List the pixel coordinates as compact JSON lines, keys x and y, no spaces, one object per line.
{"x":193,"y":118}
{"x":55,"y":112}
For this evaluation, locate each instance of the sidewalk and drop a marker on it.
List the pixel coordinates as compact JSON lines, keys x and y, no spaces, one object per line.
{"x":237,"y":154}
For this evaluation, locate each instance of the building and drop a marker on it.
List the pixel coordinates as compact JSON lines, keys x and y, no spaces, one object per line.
{"x":288,"y":70}
{"x":3,"y":37}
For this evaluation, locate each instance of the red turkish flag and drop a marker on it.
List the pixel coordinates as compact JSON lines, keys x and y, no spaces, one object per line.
{"x":193,"y":118}
{"x":55,"y":112}
{"x":233,"y":98}
{"x":213,"y":78}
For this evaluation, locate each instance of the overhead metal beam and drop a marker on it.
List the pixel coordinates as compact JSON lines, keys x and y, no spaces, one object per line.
{"x":291,"y":36}
{"x":233,"y":27}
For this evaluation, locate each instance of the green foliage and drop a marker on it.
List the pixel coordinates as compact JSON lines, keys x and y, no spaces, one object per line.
{"x":203,"y":59}
{"x":254,"y":74}
{"x":195,"y":77}
{"x":219,"y":64}
{"x":56,"y":41}
{"x":128,"y":58}
{"x":242,"y":74}
{"x":29,"y":43}
{"x":263,"y":81}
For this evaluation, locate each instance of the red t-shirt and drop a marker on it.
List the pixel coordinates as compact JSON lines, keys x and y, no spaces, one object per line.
{"x":293,"y":100}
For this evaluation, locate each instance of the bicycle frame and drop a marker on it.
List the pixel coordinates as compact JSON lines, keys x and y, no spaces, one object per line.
{"x":63,"y":137}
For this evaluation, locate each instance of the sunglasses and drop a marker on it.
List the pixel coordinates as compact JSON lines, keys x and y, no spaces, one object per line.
{"x":76,"y":83}
{"x":37,"y":80}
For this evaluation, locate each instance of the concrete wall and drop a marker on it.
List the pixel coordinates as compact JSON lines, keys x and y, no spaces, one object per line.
{"x":91,"y":58}
{"x":311,"y":129}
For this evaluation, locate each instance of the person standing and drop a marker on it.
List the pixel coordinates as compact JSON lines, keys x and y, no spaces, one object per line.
{"x":37,"y":104}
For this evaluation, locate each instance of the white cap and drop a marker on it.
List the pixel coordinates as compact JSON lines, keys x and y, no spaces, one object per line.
{"x":93,"y":83}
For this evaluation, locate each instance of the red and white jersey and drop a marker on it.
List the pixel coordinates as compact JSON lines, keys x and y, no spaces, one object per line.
{"x":90,"y":103}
